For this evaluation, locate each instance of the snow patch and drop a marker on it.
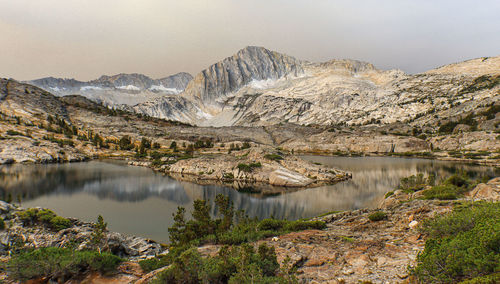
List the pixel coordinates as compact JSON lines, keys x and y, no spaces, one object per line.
{"x":262,"y":84}
{"x":89,"y":88}
{"x":202,"y":114}
{"x":161,"y":88}
{"x":129,"y":87}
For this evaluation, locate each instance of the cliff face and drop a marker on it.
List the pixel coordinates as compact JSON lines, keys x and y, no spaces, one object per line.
{"x":249,"y":64}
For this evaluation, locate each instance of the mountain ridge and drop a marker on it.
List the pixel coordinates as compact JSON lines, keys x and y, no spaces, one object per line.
{"x":256,"y":86}
{"x":117,"y":90}
{"x":259,"y":87}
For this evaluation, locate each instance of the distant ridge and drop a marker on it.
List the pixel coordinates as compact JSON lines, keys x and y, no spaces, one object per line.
{"x":117,"y":89}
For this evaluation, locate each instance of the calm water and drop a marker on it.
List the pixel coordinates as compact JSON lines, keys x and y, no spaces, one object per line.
{"x":138,"y":201}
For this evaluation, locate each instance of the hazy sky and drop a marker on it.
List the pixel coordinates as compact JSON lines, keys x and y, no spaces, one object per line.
{"x":87,"y":38}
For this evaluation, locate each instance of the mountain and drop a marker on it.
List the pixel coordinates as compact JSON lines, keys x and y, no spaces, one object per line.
{"x":128,"y":89}
{"x":205,"y":96}
{"x":258,"y":87}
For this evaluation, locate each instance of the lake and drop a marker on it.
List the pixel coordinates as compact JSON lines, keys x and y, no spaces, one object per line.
{"x":139,"y":201}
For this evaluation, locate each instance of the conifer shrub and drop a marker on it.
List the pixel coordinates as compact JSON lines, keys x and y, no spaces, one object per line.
{"x":452,"y":188}
{"x":377,"y":216}
{"x":228,"y":228}
{"x":59,"y":223}
{"x":237,"y":264}
{"x":461,"y":245}
{"x":232,"y":229}
{"x":248,"y":167}
{"x":273,"y":157}
{"x":59,"y":264}
{"x":33,"y":216}
{"x":125,"y":143}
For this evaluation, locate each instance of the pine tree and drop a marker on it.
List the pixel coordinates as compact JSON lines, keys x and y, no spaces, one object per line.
{"x":98,"y":236}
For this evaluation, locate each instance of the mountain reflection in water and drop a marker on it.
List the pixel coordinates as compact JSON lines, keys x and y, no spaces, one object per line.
{"x":138,"y":201}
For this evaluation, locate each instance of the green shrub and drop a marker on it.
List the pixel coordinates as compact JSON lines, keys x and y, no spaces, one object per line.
{"x":14,"y":133}
{"x":59,"y":223}
{"x":28,"y":216}
{"x":248,"y":167}
{"x":228,"y":229}
{"x":442,"y":192}
{"x":273,"y":157}
{"x":228,"y":176}
{"x":488,"y":279}
{"x":455,"y":154}
{"x":240,"y":264}
{"x":452,"y":188}
{"x":59,"y":264}
{"x":245,"y":145}
{"x":458,"y":180}
{"x":300,"y":225}
{"x":377,"y":216}
{"x":448,"y":127}
{"x":32,"y":216}
{"x":271,"y":225}
{"x":60,"y":142}
{"x":390,"y":193}
{"x":415,"y":182}
{"x":2,"y":224}
{"x":151,"y":264}
{"x":125,"y":143}
{"x":464,"y":244}
{"x":45,"y":215}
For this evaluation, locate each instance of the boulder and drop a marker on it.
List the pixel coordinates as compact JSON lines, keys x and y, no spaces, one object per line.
{"x":394,"y":199}
{"x":284,"y":177}
{"x":486,"y":191}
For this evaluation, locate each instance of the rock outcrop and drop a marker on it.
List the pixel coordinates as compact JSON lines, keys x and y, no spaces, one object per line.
{"x":254,"y":166}
{"x":25,"y":150}
{"x":486,"y":191}
{"x":354,"y":249}
{"x":130,"y":247}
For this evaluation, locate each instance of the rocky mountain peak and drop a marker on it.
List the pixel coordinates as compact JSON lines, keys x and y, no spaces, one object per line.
{"x":178,"y":81}
{"x":50,"y":83}
{"x":122,"y":80}
{"x":232,"y":73}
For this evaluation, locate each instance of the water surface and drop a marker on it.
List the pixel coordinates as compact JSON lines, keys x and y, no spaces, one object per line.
{"x":138,"y":201}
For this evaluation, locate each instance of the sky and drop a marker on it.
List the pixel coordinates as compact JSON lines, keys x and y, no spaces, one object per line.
{"x":85,"y":39}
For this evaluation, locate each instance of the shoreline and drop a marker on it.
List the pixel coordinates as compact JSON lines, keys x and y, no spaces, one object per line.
{"x":127,"y":158}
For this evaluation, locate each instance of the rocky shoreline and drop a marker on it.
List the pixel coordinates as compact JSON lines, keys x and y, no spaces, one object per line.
{"x":27,"y":150}
{"x":18,"y":235}
{"x":255,"y":166}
